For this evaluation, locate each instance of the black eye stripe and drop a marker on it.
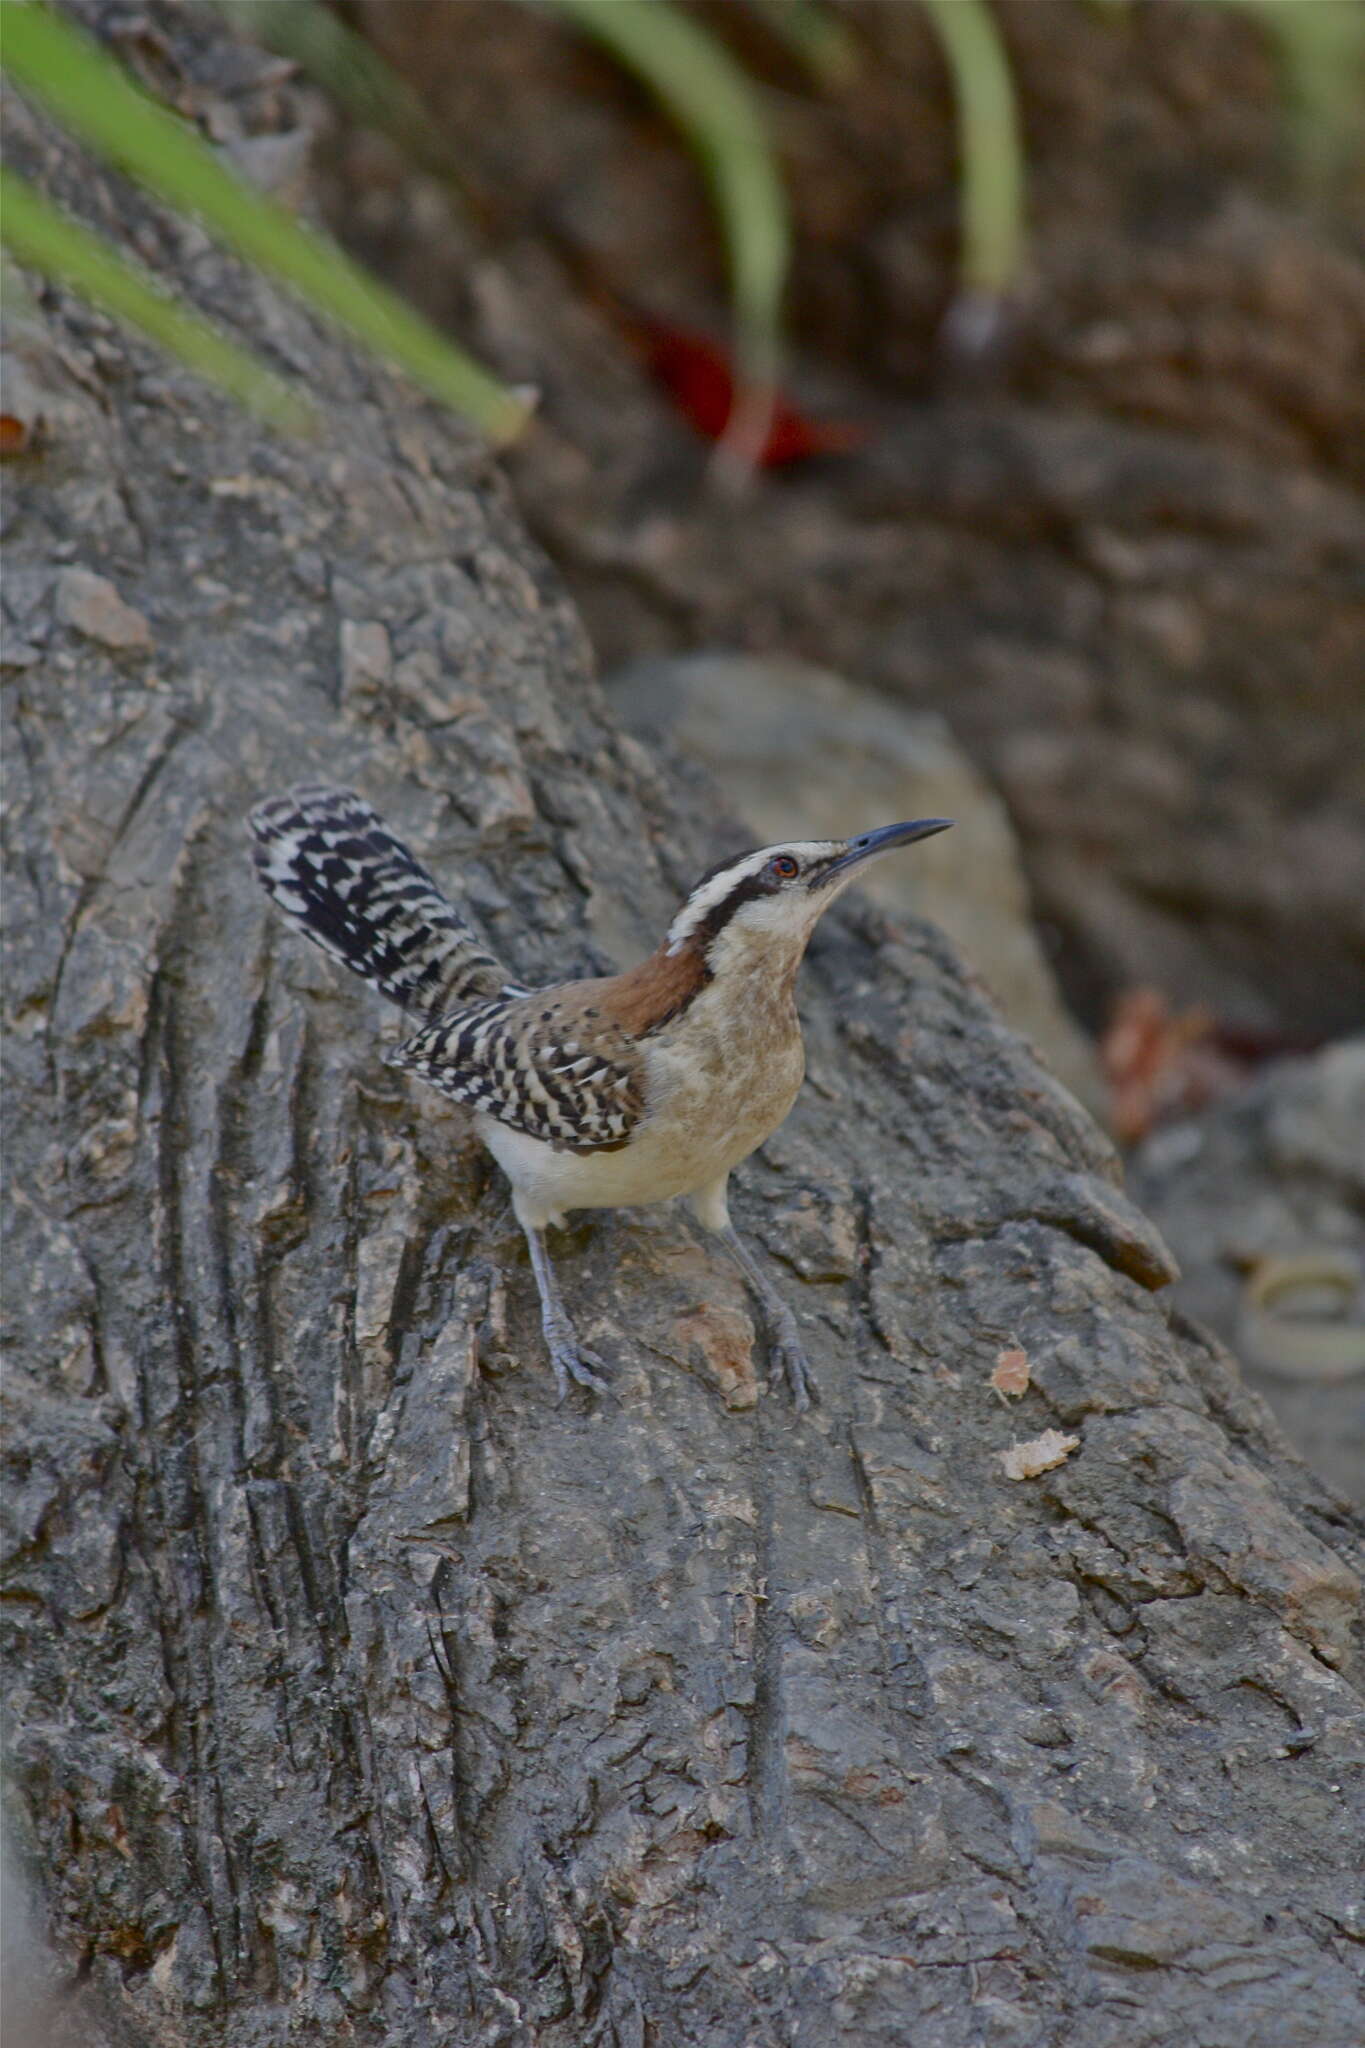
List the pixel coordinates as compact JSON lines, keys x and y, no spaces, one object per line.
{"x":745,"y":891}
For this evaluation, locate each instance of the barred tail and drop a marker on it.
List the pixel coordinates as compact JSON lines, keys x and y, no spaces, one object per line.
{"x":338,"y":873}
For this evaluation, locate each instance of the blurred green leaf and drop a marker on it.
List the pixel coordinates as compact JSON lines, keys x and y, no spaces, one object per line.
{"x":92,"y":97}
{"x":1320,"y":45}
{"x":707,"y":93}
{"x":991,"y":158}
{"x":47,"y":240}
{"x":822,"y":42}
{"x":355,"y":75}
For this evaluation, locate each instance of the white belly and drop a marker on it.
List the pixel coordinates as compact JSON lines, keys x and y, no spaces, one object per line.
{"x":705,"y":1113}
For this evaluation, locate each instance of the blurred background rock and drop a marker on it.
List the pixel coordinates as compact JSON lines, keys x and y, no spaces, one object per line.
{"x":1264,"y":1196}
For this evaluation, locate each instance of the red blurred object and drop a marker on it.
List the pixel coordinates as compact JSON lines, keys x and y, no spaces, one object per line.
{"x":1161,"y":1063}
{"x":698,"y":377}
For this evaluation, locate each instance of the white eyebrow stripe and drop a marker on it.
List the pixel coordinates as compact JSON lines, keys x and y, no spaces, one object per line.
{"x":705,"y":899}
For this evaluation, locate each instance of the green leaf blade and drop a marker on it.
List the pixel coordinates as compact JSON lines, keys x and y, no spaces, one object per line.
{"x":89,"y":93}
{"x":710,"y":98}
{"x":39,"y":235}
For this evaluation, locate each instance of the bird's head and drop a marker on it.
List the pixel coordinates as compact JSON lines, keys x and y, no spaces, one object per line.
{"x":774,"y":896}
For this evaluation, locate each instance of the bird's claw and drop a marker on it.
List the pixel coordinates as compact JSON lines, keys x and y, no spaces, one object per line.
{"x":574,"y":1363}
{"x":789,"y":1367}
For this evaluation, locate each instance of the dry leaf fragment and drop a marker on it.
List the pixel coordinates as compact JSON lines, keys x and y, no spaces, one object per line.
{"x":15,"y":434}
{"x":1161,"y":1062}
{"x":1011,"y":1376}
{"x":1040,"y":1454}
{"x":92,"y":605}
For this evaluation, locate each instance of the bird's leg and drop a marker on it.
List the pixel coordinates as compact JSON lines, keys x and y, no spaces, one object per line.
{"x":786,"y":1354}
{"x":570,"y":1359}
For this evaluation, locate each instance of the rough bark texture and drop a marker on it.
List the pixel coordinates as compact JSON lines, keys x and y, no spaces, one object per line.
{"x":358,"y":1694}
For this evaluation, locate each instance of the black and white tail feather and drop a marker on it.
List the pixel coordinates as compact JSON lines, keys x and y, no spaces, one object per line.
{"x":339,"y":875}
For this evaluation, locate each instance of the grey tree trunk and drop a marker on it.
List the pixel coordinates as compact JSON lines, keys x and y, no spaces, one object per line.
{"x":357,"y":1693}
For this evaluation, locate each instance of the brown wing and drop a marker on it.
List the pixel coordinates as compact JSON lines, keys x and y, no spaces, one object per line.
{"x":552,"y":1064}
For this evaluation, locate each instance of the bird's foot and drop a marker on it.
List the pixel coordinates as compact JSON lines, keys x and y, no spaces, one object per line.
{"x":572,"y":1361}
{"x":788,"y":1364}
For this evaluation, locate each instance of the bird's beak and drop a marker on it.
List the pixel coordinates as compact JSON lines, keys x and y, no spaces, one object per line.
{"x":869,"y":844}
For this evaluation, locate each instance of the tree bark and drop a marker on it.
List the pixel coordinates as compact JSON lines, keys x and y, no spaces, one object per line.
{"x":358,"y":1693}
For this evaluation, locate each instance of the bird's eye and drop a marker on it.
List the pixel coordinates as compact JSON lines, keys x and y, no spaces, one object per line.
{"x":785,"y":867}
